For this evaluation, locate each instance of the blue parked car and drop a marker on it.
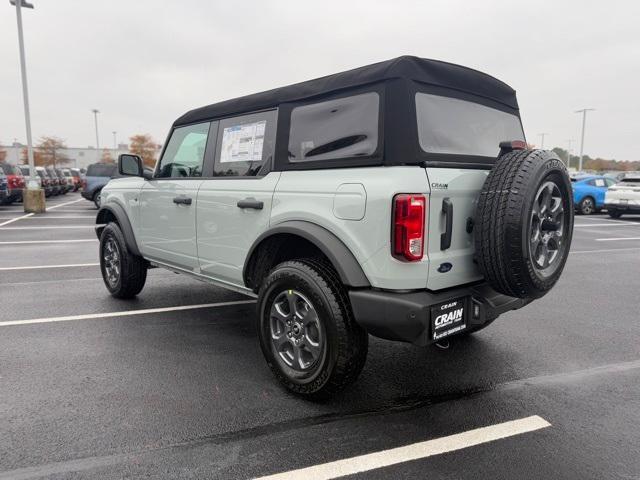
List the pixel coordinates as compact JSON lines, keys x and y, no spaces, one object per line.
{"x":98,"y":175}
{"x":588,"y":192}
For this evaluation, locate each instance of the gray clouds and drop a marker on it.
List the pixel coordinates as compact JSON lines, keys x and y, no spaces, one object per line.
{"x":143,"y":63}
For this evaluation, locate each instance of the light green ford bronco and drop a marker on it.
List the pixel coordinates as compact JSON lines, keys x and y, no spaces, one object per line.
{"x":396,"y":199}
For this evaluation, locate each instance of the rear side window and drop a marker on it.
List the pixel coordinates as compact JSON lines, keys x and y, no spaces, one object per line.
{"x":452,"y":126}
{"x":341,"y":128}
{"x":101,"y":170}
{"x":184,"y":154}
{"x":245,"y":144}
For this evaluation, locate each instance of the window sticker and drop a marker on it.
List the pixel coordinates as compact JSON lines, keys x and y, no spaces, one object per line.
{"x":599,"y":182}
{"x":243,"y":143}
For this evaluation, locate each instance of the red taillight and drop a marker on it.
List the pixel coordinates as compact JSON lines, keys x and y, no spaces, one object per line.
{"x":408,"y":226}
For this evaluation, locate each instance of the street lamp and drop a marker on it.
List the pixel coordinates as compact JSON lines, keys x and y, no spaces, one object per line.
{"x":584,"y":121}
{"x":33,"y":202}
{"x":95,"y":117}
{"x":115,"y":145}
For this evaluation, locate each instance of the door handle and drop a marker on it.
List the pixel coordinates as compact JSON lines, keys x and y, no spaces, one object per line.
{"x":251,"y":203}
{"x":447,"y":209}
{"x":182,"y":200}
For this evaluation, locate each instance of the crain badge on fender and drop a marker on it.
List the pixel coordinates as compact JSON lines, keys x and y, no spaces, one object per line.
{"x":445,"y":267}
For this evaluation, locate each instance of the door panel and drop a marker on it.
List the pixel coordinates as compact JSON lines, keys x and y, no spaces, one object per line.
{"x":225,"y":231}
{"x":168,"y":202}
{"x":167,"y":230}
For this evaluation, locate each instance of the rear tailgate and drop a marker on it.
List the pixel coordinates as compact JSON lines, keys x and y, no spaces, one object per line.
{"x":454,"y":265}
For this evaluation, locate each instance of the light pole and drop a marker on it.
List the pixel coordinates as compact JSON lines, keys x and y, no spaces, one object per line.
{"x":569,"y":142}
{"x":30,"y":202}
{"x":95,"y":117}
{"x":115,"y":145}
{"x":584,"y":121}
{"x":542,"y":135}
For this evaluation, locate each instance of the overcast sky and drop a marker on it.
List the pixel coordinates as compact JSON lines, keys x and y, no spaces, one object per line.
{"x":143,"y":63}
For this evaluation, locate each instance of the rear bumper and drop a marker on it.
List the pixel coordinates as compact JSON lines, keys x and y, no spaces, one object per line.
{"x":406,"y":317}
{"x":621,"y":207}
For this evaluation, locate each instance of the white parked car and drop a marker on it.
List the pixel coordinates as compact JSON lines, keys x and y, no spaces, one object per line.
{"x":623,"y":197}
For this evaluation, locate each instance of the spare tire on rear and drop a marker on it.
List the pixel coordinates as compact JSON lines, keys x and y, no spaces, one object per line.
{"x":524,"y":223}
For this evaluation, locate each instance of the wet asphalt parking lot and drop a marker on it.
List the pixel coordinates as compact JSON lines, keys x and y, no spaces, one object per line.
{"x":173,"y":383}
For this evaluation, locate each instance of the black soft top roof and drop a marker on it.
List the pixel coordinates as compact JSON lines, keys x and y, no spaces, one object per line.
{"x":434,"y":73}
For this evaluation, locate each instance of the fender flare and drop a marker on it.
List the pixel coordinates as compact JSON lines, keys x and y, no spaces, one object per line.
{"x":345,"y":263}
{"x":123,"y":221}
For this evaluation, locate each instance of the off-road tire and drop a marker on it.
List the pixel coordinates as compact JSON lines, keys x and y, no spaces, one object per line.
{"x":97,"y":199}
{"x":587,"y":206}
{"x":615,"y":214}
{"x":503,"y":222}
{"x":133,"y":269}
{"x":346,"y":342}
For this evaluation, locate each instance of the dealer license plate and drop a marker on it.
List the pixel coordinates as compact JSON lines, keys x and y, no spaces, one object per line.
{"x":448,"y":318}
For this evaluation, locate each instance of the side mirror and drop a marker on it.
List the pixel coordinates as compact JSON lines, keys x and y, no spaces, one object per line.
{"x":130,"y":165}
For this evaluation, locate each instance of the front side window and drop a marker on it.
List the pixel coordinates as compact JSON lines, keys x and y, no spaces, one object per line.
{"x":184,"y":155}
{"x":245,"y":144}
{"x":452,"y":126}
{"x":342,"y":128}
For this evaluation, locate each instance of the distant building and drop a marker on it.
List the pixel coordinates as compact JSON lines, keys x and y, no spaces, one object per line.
{"x":80,"y":157}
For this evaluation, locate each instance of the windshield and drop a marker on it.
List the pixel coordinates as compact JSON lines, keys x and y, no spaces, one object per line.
{"x":452,"y":126}
{"x":9,"y":169}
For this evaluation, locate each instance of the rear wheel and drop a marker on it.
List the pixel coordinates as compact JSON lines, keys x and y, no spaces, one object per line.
{"x":124,"y":274}
{"x":615,"y":214}
{"x":586,"y":206}
{"x":307,"y":332}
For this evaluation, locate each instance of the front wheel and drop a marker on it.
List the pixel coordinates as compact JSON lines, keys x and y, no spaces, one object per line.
{"x":307,"y":331}
{"x":97,"y":198}
{"x":124,"y":274}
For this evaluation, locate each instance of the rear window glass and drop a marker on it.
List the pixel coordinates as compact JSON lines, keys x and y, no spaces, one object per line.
{"x":631,"y":180}
{"x":341,"y":128}
{"x":452,"y":126}
{"x":101,"y":170}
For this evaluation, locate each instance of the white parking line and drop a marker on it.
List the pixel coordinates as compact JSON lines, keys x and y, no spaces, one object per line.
{"x":33,"y":242}
{"x":587,"y":225}
{"x":37,"y":267}
{"x":60,"y":217}
{"x":65,"y":203}
{"x":47,"y":227}
{"x":91,"y":316}
{"x":605,"y":250}
{"x":616,"y":239}
{"x":15,"y":219}
{"x":385,"y":458}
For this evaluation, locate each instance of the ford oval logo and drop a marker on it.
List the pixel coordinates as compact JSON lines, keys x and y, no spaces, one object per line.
{"x":445,"y":267}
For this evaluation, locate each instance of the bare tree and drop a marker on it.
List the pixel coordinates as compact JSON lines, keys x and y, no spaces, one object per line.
{"x":144,"y":146}
{"x":49,"y":150}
